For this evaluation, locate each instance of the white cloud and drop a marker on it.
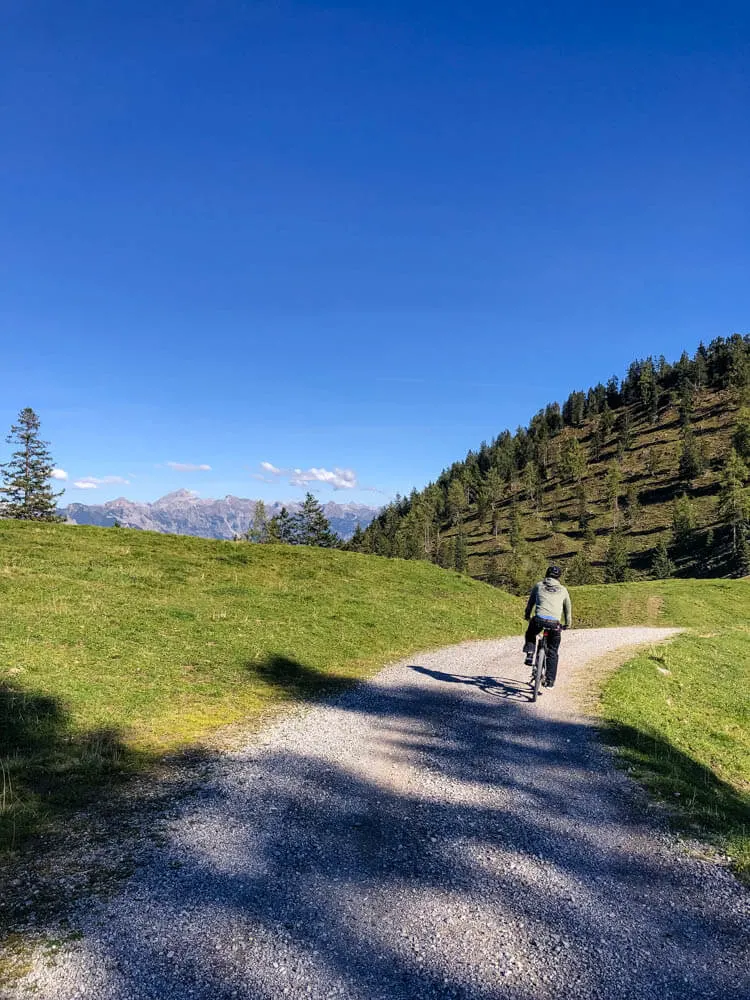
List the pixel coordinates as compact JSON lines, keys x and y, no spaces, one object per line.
{"x":339,"y":479}
{"x":188,"y":467}
{"x":92,"y":482}
{"x":59,"y":474}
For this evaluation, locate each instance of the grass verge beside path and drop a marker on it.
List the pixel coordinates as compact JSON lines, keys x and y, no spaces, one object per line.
{"x":120,"y":645}
{"x":679,"y":715}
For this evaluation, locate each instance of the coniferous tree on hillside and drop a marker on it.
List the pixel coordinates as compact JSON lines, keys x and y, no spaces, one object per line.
{"x":27,"y":477}
{"x":579,"y":571}
{"x":616,"y":561}
{"x":734,"y":506}
{"x":613,"y":486}
{"x":683,"y":521}
{"x":311,"y":526}
{"x":741,"y":434}
{"x":357,"y":540}
{"x":692,"y":462}
{"x":456,"y":501}
{"x":662,"y":566}
{"x":258,"y":530}
{"x":281,"y":528}
{"x":633,"y":509}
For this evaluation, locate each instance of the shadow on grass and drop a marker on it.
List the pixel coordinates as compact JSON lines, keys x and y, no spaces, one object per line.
{"x":698,"y":798}
{"x":298,"y":680}
{"x":47,"y":768}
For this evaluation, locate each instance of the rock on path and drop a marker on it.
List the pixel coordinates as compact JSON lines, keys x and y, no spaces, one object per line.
{"x":430,"y":834}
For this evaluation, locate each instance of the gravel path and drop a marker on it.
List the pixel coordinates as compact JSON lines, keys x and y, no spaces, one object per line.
{"x":431,"y":834}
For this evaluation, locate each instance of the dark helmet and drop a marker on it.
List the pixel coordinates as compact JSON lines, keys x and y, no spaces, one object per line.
{"x":554,"y":571}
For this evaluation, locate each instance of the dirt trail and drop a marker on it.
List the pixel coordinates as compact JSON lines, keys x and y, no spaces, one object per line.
{"x":430,"y":834}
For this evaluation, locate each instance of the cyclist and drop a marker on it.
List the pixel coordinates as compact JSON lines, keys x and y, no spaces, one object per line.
{"x":548,"y":607}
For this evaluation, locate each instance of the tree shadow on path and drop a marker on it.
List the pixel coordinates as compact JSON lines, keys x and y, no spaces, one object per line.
{"x":448,"y":843}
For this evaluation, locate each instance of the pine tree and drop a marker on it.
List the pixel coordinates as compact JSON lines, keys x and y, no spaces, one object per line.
{"x":311,"y":526}
{"x":691,"y":464}
{"x":616,"y":560}
{"x":258,"y":530}
{"x":734,"y":504}
{"x":493,"y":571}
{"x":633,"y":509}
{"x":456,"y":501}
{"x":683,"y":521}
{"x":461,"y":556}
{"x":27,"y":475}
{"x":741,"y":434}
{"x":357,"y":540}
{"x":447,"y":553}
{"x":281,"y":528}
{"x":572,"y":460}
{"x":579,"y":571}
{"x":662,"y":566}
{"x":515,"y":529}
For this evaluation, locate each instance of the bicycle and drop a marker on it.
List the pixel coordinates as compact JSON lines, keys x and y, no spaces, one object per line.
{"x":539,"y":671}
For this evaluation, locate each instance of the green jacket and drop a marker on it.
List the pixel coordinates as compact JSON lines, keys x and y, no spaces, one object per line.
{"x":549,"y":599}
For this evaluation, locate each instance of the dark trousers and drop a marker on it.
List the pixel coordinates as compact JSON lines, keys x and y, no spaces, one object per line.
{"x":553,"y":644}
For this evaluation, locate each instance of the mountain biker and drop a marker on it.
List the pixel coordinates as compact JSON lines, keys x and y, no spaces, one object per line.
{"x":548,"y":607}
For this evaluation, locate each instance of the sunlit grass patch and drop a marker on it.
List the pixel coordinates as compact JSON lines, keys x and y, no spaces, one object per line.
{"x":156,"y":641}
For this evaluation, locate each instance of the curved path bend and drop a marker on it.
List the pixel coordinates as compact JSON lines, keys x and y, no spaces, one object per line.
{"x":430,"y":834}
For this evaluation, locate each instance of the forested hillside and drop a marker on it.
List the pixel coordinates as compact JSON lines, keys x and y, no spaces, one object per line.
{"x":643,"y":476}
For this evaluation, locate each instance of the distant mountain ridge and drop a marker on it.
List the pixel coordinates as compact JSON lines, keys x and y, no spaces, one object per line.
{"x":183,"y":513}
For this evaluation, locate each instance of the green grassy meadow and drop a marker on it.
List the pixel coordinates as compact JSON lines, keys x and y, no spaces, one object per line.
{"x":120,"y":645}
{"x":679,"y":715}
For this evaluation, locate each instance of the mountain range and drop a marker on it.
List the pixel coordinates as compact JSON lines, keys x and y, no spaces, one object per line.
{"x":183,"y":513}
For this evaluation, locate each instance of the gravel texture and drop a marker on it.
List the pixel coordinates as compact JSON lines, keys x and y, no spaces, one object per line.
{"x":430,"y":834}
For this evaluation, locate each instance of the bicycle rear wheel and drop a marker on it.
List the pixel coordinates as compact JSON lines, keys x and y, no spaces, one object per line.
{"x":538,"y":672}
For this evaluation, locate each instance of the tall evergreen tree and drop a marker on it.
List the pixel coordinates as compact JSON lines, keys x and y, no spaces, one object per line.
{"x":456,"y":501}
{"x":281,"y":528}
{"x":683,"y":521}
{"x":734,"y":506}
{"x":662,"y":566}
{"x":616,"y":560}
{"x":633,"y":508}
{"x":356,"y":542}
{"x":258,"y":530}
{"x":27,"y":476}
{"x":515,"y":528}
{"x":741,"y":434}
{"x":579,"y":571}
{"x":691,"y":463}
{"x":311,"y":526}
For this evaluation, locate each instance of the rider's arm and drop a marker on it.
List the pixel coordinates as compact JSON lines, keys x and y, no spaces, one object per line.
{"x":567,"y":607}
{"x":531,"y":603}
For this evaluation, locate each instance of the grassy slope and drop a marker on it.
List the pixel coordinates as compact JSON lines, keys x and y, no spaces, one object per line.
{"x":680,"y":716}
{"x":120,"y":644}
{"x":553,"y":530}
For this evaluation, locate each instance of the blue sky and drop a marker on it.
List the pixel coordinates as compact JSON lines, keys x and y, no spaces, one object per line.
{"x":359,"y":237}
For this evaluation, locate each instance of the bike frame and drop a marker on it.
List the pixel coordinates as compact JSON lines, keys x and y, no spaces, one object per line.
{"x":540,"y":660}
